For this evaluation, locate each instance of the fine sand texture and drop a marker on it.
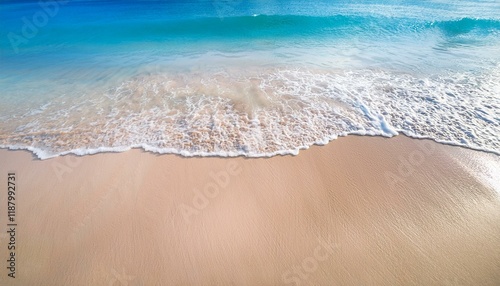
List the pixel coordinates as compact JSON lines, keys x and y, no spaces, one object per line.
{"x":358,"y":211}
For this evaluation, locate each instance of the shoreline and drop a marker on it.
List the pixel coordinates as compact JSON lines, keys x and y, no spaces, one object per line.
{"x":359,"y":210}
{"x":147,"y":149}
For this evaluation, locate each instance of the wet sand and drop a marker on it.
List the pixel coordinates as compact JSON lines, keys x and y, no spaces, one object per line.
{"x":358,"y":211}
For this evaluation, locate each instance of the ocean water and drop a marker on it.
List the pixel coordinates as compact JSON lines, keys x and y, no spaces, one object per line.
{"x":253,"y":78}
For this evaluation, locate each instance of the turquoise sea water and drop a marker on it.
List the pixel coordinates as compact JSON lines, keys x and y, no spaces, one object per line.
{"x":253,"y":78}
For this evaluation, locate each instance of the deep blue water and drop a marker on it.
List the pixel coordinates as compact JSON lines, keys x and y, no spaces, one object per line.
{"x":80,"y":30}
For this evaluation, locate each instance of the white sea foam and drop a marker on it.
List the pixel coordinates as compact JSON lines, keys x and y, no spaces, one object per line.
{"x":262,"y":114}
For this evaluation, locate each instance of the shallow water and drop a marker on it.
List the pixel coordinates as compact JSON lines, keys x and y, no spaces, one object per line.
{"x":253,"y":78}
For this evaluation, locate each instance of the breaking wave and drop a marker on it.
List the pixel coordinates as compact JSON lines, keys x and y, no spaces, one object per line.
{"x":275,"y":112}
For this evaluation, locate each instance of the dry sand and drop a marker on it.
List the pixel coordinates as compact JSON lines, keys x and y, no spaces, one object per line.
{"x":359,"y":211}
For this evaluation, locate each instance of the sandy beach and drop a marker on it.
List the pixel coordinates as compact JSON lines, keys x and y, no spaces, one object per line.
{"x":358,"y":211}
